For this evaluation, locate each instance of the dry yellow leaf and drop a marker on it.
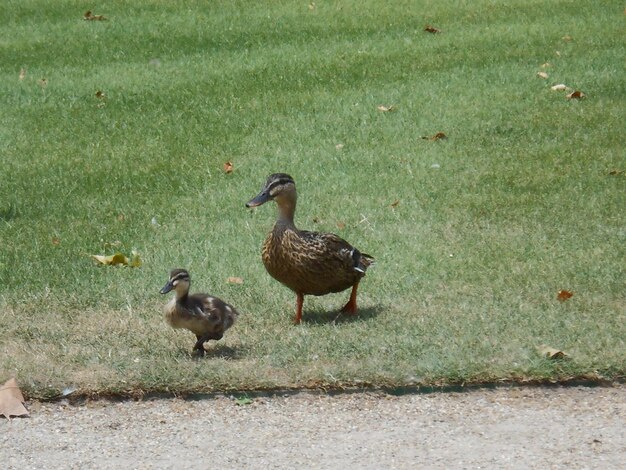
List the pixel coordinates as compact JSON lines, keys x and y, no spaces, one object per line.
{"x":22,"y":75}
{"x":135,"y":260}
{"x":119,"y":259}
{"x":234,"y":280}
{"x":228,"y":167}
{"x":542,"y":75}
{"x":43,"y":83}
{"x":12,"y":400}
{"x":551,"y":353}
{"x":88,"y":16}
{"x":112,"y":260}
{"x":576,"y":95}
{"x":386,"y":109}
{"x":559,"y":87}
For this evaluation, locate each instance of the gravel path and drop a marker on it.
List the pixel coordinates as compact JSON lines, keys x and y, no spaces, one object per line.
{"x":505,"y":428}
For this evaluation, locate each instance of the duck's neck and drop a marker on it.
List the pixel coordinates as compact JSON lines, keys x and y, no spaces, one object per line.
{"x":286,"y":212}
{"x":182,"y":295}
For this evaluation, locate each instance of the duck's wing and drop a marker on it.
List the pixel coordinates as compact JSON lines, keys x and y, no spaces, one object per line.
{"x":334,"y":247}
{"x":215,"y":310}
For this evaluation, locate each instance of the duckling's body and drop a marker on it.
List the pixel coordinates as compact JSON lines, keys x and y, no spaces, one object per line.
{"x":206,"y":316}
{"x":309,"y":263}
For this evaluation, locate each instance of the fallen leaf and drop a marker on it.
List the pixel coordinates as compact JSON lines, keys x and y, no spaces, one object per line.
{"x":22,"y":75}
{"x":244,"y":400}
{"x":559,"y":87}
{"x":234,"y":280}
{"x":100,"y":95}
{"x":437,"y":136}
{"x":56,"y":241}
{"x":135,"y":260}
{"x":386,"y":109}
{"x":431,"y":29}
{"x":567,"y":38}
{"x":551,"y":353}
{"x":312,"y":6}
{"x":546,"y":65}
{"x":341,"y":225}
{"x":578,"y":95}
{"x":12,"y":400}
{"x":88,"y":16}
{"x":316,"y":220}
{"x":542,"y":75}
{"x":563,"y":295}
{"x":395,"y":203}
{"x":557,"y":53}
{"x":43,"y":83}
{"x":339,"y":146}
{"x":121,"y":217}
{"x":228,"y":167}
{"x":617,"y":172}
{"x":112,"y":260}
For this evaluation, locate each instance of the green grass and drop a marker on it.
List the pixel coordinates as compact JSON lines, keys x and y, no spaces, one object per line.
{"x":491,"y":223}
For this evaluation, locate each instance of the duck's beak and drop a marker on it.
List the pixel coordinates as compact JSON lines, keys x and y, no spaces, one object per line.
{"x":259,"y":199}
{"x":167,"y":287}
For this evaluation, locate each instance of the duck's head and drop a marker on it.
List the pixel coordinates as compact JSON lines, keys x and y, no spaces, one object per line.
{"x":179,"y":280}
{"x":279,"y":187}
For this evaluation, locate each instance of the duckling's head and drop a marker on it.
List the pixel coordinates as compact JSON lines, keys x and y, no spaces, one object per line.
{"x":279,"y":187}
{"x":179,"y":281}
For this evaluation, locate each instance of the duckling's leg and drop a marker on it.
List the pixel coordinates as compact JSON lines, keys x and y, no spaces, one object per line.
{"x":198,"y":348}
{"x":350,"y":307}
{"x":299,"y":303}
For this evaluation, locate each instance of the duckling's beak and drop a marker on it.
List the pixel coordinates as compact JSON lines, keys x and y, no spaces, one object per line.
{"x":259,"y":199}
{"x":167,"y":287}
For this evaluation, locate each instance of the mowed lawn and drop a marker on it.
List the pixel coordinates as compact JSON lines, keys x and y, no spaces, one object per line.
{"x":114,"y":135}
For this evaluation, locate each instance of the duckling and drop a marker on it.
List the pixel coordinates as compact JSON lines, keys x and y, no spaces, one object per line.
{"x":308,"y":263}
{"x":206,"y":316}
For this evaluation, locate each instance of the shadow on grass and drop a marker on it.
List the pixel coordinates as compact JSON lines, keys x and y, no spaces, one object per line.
{"x":324,"y":317}
{"x":215,"y":351}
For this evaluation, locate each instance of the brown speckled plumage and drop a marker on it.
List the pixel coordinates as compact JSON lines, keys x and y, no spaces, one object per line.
{"x":309,"y":263}
{"x":205,"y":316}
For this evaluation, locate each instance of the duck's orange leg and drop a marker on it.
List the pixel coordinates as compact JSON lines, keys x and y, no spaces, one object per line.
{"x":299,"y":302}
{"x":350,"y":307}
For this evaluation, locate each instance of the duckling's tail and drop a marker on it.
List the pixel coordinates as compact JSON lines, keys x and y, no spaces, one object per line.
{"x":362,"y":261}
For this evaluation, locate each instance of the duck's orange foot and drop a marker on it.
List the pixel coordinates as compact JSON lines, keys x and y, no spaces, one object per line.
{"x":299,"y":302}
{"x":349,"y":308}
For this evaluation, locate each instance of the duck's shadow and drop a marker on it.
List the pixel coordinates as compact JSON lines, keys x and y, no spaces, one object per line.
{"x":334,"y":317}
{"x":216,"y":351}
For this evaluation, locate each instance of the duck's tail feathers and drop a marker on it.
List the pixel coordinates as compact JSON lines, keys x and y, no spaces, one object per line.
{"x":362,"y":261}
